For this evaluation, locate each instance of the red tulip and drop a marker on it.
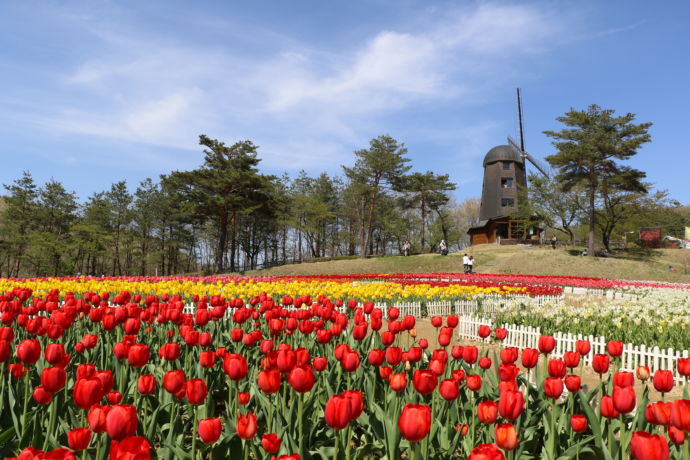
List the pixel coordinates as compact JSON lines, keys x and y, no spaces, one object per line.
{"x":338,"y":412}
{"x":556,"y":368}
{"x":209,"y":430}
{"x":106,"y":378}
{"x":53,"y":379}
{"x":487,"y":412}
{"x":607,"y":407}
{"x":506,"y":436}
{"x":415,"y":422}
{"x":114,"y":397}
{"x":511,"y":404}
{"x":173,"y":381}
{"x":131,"y":448}
{"x":424,"y":381}
{"x":243,"y":398}
{"x":320,"y":364}
{"x":546,"y":344}
{"x":684,"y":366}
{"x":509,"y":355}
{"x":146,"y":384}
{"x":676,"y":436}
{"x":87,"y":392}
{"x":469,"y":354}
{"x":614,"y":348}
{"x":29,"y":351}
{"x":269,"y":380}
{"x":449,"y":389}
{"x":235,"y":366}
{"x":170,"y":351}
{"x":437,"y":321}
{"x":571,"y":359}
{"x":302,"y":378}
{"x":207,"y":359}
{"x":553,"y":387}
{"x":663,"y":381}
{"x":196,"y":391}
{"x":645,"y":446}
{"x":658,"y":413}
{"x":508,"y":372}
{"x":600,"y":363}
{"x":376,"y":357}
{"x":501,"y":333}
{"x":138,"y":355}
{"x":397,"y":382}
{"x":578,"y":423}
{"x":583,"y":347}
{"x":350,"y":361}
{"x":121,"y":421}
{"x":486,"y":452}
{"x":474,"y":382}
{"x":572,"y":383}
{"x":393,"y":355}
{"x":484,"y":331}
{"x":78,"y":438}
{"x":624,"y":399}
{"x":623,"y":379}
{"x":96,"y":418}
{"x":356,"y":402}
{"x":484,"y":362}
{"x":54,"y":353}
{"x":41,"y":396}
{"x":680,"y":414}
{"x":246,"y":426}
{"x":530,"y":356}
{"x":5,"y":350}
{"x":270,"y":442}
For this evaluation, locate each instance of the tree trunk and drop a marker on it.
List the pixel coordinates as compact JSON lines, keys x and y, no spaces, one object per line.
{"x":233,"y":241}
{"x":590,"y":236}
{"x":222,"y":242}
{"x":423,"y":225}
{"x":367,"y":233}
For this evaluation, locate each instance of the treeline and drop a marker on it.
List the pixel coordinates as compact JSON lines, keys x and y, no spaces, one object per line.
{"x":228,"y":216}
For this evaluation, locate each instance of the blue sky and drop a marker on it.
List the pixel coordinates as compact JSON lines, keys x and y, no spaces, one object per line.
{"x":95,"y":92}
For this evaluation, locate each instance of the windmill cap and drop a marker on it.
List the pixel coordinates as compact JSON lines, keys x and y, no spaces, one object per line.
{"x":503,"y":153}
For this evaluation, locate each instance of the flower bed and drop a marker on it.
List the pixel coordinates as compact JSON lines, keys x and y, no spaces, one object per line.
{"x":131,"y":376}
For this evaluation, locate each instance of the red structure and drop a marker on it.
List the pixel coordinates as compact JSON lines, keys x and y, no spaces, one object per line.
{"x":650,"y":237}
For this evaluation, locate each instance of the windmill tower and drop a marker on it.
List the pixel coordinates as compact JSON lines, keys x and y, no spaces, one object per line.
{"x":504,"y":174}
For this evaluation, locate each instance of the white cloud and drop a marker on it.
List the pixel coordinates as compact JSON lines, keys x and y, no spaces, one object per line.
{"x":299,"y":100}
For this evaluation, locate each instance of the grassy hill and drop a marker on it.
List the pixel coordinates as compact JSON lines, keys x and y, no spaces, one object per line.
{"x":631,"y":264}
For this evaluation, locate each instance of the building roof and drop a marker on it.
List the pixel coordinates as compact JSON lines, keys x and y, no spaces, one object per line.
{"x":502,"y":153}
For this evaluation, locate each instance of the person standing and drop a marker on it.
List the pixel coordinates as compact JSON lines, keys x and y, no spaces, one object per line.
{"x":443,"y":247}
{"x":470,"y":264}
{"x":554,"y":240}
{"x":465,"y":263}
{"x":406,"y":248}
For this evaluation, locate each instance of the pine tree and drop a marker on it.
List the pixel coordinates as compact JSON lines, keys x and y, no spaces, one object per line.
{"x":587,"y":152}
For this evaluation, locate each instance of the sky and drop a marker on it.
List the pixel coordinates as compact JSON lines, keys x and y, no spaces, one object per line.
{"x":95,"y":92}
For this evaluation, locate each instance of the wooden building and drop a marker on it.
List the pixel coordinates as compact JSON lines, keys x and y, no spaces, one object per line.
{"x":504,"y":172}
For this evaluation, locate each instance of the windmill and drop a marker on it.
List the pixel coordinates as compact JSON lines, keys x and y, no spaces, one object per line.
{"x":521,"y":147}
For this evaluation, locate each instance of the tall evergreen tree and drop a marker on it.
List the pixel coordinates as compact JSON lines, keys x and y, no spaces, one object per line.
{"x":380,"y":166}
{"x":427,"y":192}
{"x":588,"y":148}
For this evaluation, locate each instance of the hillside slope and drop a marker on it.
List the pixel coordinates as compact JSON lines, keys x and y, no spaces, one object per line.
{"x":511,"y":260}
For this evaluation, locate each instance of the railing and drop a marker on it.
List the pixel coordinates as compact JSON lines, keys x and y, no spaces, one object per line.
{"x":528,"y":337}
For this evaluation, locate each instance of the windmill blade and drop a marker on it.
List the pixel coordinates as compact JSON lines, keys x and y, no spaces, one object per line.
{"x":536,"y":164}
{"x":527,"y":156}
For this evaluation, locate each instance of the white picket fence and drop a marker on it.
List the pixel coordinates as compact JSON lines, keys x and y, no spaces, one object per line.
{"x":528,"y":337}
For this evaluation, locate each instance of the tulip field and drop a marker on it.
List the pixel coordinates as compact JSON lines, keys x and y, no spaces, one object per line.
{"x":312,"y":368}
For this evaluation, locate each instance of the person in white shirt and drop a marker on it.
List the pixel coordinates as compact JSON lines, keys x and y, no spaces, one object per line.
{"x":465,"y":263}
